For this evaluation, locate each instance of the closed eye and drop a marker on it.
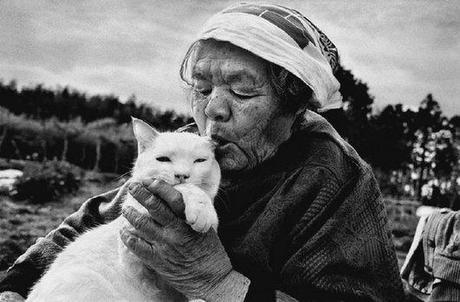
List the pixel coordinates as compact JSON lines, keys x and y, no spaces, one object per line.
{"x":242,"y":96}
{"x":199,"y":160}
{"x":204,"y":92}
{"x":163,"y":159}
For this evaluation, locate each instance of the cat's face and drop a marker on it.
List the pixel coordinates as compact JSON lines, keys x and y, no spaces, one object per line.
{"x":174,"y":157}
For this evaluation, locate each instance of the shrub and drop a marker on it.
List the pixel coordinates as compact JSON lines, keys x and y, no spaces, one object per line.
{"x":46,"y":181}
{"x":101,"y":145}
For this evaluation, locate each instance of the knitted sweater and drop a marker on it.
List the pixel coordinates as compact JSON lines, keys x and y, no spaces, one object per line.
{"x":308,"y":222}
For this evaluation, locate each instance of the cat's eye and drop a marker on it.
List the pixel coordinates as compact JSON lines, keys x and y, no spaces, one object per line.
{"x":163,"y":159}
{"x":200,"y":160}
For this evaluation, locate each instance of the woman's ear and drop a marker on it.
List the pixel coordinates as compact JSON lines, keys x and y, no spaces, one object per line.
{"x":144,"y":134}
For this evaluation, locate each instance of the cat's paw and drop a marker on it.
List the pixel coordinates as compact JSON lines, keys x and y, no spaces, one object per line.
{"x":201,"y":216}
{"x":199,"y":210}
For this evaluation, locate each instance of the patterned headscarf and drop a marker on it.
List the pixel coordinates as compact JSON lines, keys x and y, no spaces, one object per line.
{"x":284,"y":37}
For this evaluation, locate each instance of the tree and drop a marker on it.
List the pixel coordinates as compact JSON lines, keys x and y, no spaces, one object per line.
{"x":434,"y":154}
{"x":66,"y":104}
{"x":390,"y":147}
{"x":353,"y":121}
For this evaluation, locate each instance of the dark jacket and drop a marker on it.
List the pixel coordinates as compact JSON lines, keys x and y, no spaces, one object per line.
{"x":309,"y":222}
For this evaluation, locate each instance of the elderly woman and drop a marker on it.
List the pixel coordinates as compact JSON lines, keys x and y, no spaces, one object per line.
{"x":301,"y":215}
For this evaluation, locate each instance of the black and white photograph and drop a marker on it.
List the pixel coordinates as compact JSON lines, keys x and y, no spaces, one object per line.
{"x":199,"y":150}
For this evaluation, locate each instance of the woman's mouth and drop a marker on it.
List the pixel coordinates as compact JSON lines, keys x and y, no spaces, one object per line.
{"x":223,"y":146}
{"x":220,"y":141}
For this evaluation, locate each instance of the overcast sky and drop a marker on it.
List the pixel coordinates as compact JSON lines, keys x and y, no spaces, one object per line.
{"x":401,"y":49}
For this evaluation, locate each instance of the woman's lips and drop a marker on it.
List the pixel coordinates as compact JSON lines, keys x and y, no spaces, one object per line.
{"x":223,"y":146}
{"x":220,"y":140}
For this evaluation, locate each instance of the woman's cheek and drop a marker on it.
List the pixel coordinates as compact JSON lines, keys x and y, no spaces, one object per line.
{"x":249,"y":116}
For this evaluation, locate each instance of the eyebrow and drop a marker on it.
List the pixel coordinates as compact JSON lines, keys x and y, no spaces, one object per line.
{"x":236,"y":76}
{"x":239,"y":75}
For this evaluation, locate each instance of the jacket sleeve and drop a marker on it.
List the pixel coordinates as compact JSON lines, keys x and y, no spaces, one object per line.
{"x":29,"y":267}
{"x":441,"y":247}
{"x":340,"y":248}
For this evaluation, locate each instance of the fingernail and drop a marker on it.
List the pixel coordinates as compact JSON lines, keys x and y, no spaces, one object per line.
{"x":146,"y":182}
{"x":133,"y":186}
{"x":122,"y":233}
{"x":124,"y":236}
{"x":149,"y":181}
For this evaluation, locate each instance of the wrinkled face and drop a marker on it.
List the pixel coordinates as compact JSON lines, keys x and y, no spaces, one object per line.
{"x":175,"y":158}
{"x":233,"y":103}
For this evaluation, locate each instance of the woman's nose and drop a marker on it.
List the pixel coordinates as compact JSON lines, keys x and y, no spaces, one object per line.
{"x":217,"y":108}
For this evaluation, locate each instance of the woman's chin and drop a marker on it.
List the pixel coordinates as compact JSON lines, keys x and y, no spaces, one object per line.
{"x":231,"y":158}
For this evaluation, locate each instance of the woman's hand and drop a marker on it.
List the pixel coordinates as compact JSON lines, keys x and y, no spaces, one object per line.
{"x":196,"y":264}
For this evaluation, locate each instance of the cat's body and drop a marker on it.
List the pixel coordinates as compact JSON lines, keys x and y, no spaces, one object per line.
{"x":97,"y":266}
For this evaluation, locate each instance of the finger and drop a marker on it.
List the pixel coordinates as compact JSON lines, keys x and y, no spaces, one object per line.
{"x":143,"y":223}
{"x":154,"y":205}
{"x":147,"y":252}
{"x":167,"y":192}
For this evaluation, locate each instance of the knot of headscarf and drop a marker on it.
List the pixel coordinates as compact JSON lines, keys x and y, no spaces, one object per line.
{"x":284,"y":37}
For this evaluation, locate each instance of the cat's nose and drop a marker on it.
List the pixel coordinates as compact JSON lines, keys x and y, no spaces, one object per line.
{"x":181,"y":177}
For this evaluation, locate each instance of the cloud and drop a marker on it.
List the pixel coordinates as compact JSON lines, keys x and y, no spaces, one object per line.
{"x":401,"y":49}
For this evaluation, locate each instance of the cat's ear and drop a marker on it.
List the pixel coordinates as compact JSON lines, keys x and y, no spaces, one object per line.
{"x":144,"y":133}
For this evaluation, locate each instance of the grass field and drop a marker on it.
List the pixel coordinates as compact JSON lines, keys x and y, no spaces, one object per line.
{"x":21,"y":223}
{"x":403,"y":222}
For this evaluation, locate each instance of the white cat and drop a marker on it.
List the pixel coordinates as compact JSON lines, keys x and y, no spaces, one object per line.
{"x":97,"y":266}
